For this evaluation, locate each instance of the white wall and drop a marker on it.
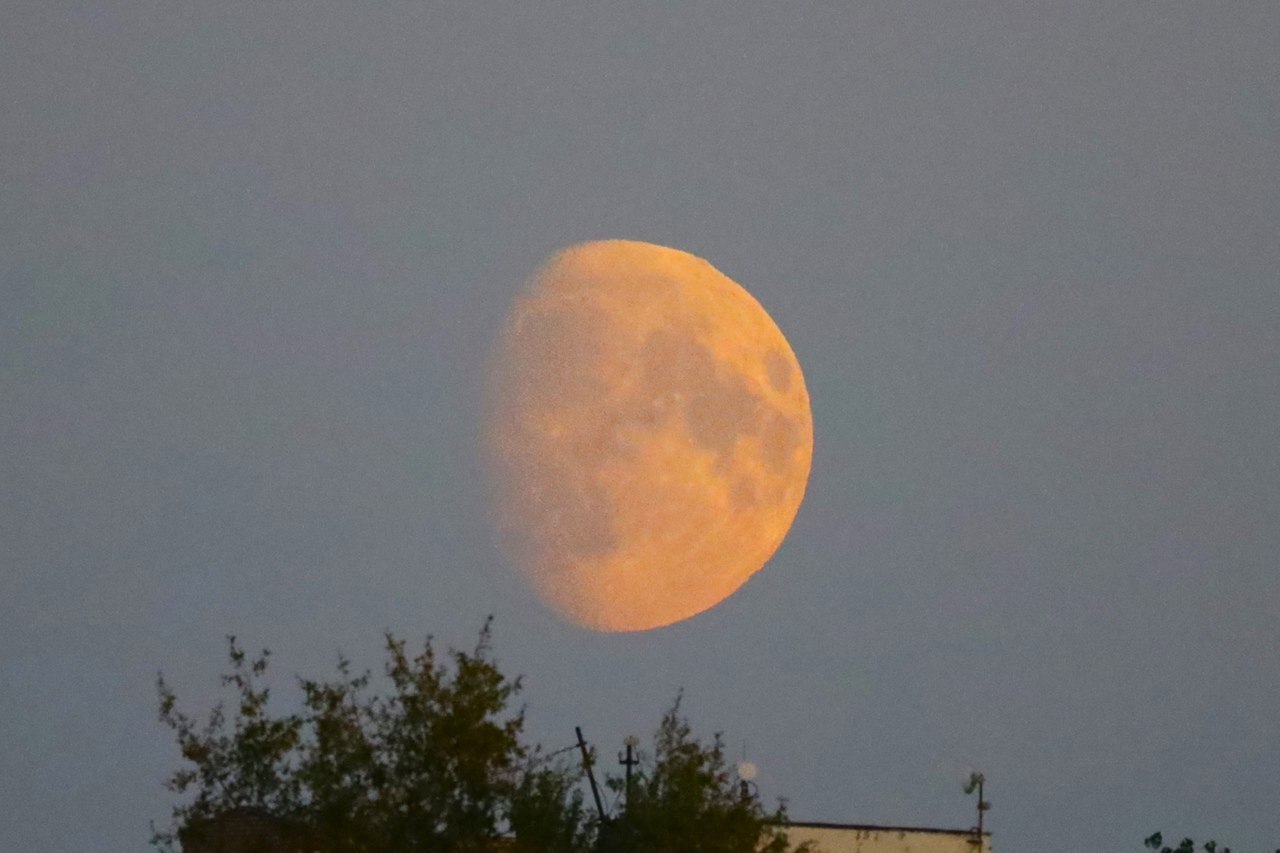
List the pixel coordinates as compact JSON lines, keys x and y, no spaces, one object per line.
{"x":871,"y":839}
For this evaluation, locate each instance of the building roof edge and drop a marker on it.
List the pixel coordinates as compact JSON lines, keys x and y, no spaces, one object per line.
{"x":872,"y":827}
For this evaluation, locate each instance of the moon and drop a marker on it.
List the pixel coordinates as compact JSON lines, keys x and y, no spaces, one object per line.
{"x":648,"y":433}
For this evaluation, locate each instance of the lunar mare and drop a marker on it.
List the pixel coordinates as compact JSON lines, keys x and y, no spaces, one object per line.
{"x":648,"y":432}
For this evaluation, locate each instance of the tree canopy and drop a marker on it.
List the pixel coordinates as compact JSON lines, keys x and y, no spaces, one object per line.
{"x":434,"y":757}
{"x":1156,"y":842}
{"x":684,"y":798}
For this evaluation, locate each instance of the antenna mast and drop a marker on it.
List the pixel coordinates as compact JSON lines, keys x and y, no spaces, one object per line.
{"x":976,"y":783}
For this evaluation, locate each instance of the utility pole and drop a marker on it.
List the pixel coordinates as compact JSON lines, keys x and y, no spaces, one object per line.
{"x":628,"y":762}
{"x":591,"y":777}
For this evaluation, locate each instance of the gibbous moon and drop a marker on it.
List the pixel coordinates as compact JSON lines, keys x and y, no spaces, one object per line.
{"x":649,"y":435}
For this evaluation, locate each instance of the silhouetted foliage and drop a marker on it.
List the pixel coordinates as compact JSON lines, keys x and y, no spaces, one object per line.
{"x":684,"y":798}
{"x":436,"y":761}
{"x":1156,"y":842}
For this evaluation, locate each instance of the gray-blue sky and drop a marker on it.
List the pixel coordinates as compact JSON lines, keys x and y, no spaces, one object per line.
{"x":252,"y":255}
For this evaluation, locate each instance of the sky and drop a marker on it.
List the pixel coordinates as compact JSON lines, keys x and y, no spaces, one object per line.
{"x":253,"y":258}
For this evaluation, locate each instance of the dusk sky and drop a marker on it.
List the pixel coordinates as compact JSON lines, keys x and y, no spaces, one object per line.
{"x":253,"y":258}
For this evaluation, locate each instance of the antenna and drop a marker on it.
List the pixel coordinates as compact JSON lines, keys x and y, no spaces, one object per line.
{"x":975,"y":782}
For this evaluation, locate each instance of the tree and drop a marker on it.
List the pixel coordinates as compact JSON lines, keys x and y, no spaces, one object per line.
{"x":437,"y":763}
{"x":1156,"y":842}
{"x":436,"y":760}
{"x":684,"y":799}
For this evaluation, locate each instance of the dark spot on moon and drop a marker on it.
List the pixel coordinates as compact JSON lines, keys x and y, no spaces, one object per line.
{"x":779,"y":438}
{"x":717,"y":404}
{"x":745,"y":494}
{"x":717,"y":418}
{"x":778,"y":368}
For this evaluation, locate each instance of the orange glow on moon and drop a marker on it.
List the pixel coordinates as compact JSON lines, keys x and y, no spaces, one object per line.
{"x":649,"y":435}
